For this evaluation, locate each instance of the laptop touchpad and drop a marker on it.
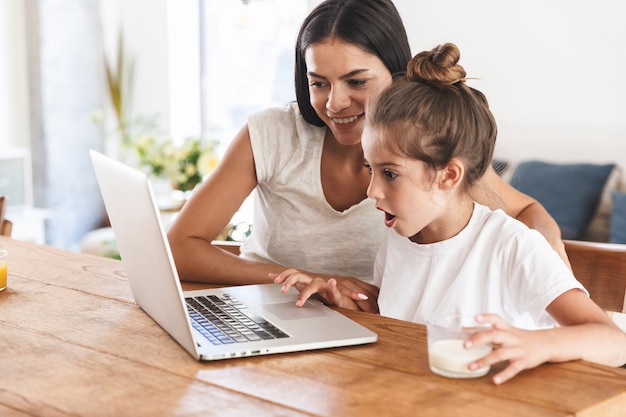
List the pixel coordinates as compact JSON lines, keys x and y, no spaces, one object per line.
{"x":288,"y":311}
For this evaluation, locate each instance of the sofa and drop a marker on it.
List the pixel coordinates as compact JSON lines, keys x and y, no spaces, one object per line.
{"x":587,"y":200}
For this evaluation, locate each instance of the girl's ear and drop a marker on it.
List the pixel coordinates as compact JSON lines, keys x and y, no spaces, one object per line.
{"x":452,"y":175}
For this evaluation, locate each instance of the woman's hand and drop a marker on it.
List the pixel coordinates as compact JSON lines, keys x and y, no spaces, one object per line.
{"x":364,"y":294}
{"x":523,"y":349}
{"x":327,"y":289}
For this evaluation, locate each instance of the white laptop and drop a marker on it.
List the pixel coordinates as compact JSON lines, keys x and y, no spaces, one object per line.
{"x":242,"y":320}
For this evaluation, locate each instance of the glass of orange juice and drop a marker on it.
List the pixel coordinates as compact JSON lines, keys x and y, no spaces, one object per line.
{"x":4,"y":255}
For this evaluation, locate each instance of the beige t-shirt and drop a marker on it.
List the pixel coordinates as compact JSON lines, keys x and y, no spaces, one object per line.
{"x":293,"y":223}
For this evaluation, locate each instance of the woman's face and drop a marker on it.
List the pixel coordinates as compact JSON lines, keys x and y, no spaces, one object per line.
{"x":342,"y":78}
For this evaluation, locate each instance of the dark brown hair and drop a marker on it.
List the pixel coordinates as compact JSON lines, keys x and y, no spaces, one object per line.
{"x":373,"y":25}
{"x":433,"y":116}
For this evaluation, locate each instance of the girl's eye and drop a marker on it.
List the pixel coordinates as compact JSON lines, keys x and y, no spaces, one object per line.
{"x":390,"y":175}
{"x":316,"y":84}
{"x":369,"y":168}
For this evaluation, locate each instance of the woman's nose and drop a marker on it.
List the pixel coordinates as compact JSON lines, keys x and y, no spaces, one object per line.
{"x":337,"y":100}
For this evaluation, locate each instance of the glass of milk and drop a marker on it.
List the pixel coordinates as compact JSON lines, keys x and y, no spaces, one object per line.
{"x":446,"y":354}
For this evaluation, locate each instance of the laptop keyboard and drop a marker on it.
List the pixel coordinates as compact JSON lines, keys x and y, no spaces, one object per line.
{"x":224,"y":320}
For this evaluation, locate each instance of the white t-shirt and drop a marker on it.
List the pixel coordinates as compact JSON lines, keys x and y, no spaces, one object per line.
{"x":293,"y":223}
{"x":495,"y":265}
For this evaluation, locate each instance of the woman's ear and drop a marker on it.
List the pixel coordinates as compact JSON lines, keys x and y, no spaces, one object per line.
{"x":452,"y":175}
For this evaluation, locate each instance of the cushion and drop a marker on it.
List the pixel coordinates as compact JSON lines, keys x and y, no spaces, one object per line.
{"x":499,"y":165}
{"x":569,"y":192}
{"x":618,"y":218}
{"x":600,"y":225}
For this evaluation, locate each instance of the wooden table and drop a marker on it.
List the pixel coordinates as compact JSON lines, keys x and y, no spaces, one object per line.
{"x":73,"y":343}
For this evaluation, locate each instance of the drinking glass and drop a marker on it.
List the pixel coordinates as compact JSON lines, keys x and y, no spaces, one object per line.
{"x":4,"y":255}
{"x":446,"y":354}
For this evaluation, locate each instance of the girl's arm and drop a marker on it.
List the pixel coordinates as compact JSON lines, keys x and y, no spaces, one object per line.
{"x":495,"y":193}
{"x":595,"y":336}
{"x":586,"y":332}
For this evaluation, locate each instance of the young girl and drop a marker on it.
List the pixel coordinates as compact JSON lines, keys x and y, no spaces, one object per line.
{"x":428,"y":140}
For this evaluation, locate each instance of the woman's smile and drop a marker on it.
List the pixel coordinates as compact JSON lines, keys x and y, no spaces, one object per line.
{"x":346,"y":122}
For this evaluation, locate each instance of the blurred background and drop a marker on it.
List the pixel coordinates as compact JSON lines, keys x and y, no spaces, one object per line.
{"x":81,"y":74}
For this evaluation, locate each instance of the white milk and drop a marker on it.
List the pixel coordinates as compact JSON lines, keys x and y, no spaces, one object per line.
{"x":449,"y":358}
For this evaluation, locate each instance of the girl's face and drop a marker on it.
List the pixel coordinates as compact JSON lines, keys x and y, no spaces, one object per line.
{"x":406,"y":190}
{"x":342,"y":78}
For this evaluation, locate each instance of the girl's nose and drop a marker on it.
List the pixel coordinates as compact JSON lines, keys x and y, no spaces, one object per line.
{"x":373,"y":191}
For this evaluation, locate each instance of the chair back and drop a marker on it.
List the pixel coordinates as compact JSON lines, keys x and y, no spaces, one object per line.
{"x":601,"y":268}
{"x":6,"y":226}
{"x":229,"y":246}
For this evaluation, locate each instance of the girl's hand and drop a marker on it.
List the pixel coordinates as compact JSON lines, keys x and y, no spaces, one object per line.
{"x":523,"y":349}
{"x":308,"y":286}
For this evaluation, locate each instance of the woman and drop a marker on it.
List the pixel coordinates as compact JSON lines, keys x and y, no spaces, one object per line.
{"x":305,"y":162}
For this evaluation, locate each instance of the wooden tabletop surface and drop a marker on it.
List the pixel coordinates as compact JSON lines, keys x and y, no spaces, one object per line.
{"x":74,"y":343}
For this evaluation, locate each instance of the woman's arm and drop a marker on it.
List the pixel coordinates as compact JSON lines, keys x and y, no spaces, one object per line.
{"x":495,"y":193}
{"x":329,"y":289}
{"x":207,"y":213}
{"x":210,"y":209}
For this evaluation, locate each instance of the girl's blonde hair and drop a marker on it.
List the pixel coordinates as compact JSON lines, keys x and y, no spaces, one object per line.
{"x":431,"y":115}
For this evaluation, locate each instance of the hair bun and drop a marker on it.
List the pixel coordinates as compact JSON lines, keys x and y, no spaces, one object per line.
{"x":437,"y":67}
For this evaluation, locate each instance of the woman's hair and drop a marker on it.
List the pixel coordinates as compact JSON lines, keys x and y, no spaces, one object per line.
{"x":433,"y":116}
{"x":373,"y":25}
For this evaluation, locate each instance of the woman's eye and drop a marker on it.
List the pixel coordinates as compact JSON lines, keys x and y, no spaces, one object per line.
{"x":357,"y":83}
{"x":390,"y":175}
{"x":316,"y":84}
{"x":369,"y":168}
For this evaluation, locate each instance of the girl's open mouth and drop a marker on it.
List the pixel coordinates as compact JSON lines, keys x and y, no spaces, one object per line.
{"x":389,"y":219}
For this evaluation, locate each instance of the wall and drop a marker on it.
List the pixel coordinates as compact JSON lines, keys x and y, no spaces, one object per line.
{"x":65,"y":86}
{"x":551,"y":69}
{"x":52,"y":79}
{"x":143,"y":25}
{"x":14,"y":129}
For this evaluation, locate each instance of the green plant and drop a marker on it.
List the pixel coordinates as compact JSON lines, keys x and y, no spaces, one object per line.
{"x":119,"y":87}
{"x":185,"y":165}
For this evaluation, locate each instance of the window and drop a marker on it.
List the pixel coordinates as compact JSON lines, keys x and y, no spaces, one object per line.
{"x":246,"y":64}
{"x":247,"y":59}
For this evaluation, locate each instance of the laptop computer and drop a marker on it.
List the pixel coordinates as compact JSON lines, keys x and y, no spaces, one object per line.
{"x":244,"y":320}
